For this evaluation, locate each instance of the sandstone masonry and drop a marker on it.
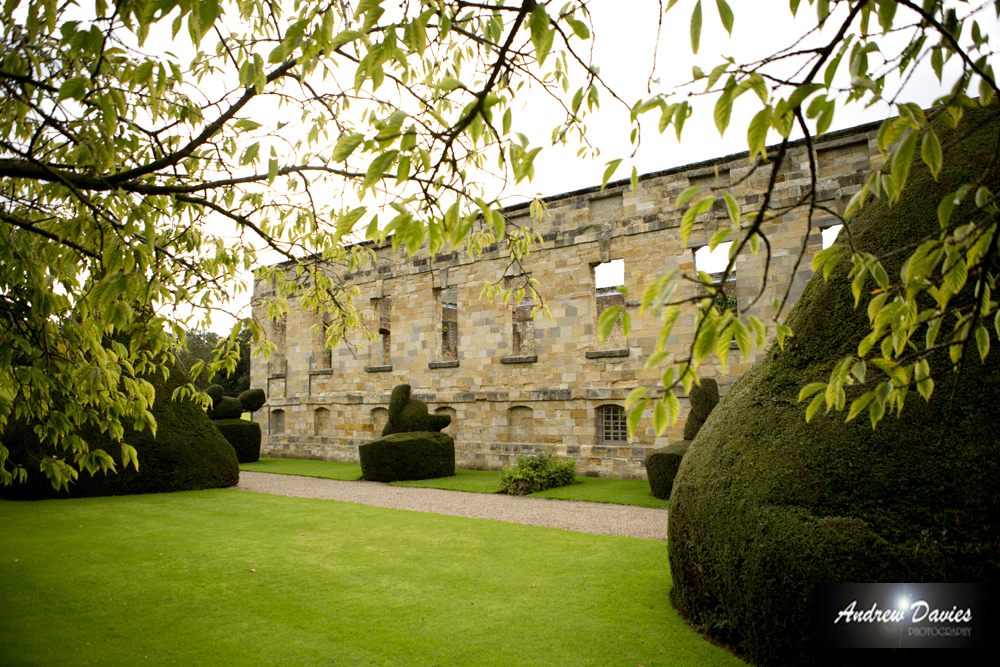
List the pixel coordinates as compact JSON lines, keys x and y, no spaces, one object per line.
{"x":516,"y":385}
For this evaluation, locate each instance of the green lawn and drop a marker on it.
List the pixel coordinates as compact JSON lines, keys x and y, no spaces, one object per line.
{"x":225,"y":577}
{"x":593,"y":489}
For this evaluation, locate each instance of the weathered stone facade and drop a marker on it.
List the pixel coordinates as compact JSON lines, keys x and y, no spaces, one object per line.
{"x":516,"y":385}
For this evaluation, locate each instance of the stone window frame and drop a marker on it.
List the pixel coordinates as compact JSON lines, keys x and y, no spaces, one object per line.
{"x":445,"y":360}
{"x":530,"y":435}
{"x":275,"y":417}
{"x":316,"y":421}
{"x":512,"y":317}
{"x":612,"y":425}
{"x":607,"y":349}
{"x":382,"y":343}
{"x":277,"y":364}
{"x":383,"y":412}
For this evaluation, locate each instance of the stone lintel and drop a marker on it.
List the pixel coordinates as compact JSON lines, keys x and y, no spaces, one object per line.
{"x":378,"y":369}
{"x":604,"y":354}
{"x":443,"y":364}
{"x":522,"y":359}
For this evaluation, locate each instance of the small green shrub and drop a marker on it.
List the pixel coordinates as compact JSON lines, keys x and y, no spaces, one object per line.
{"x":536,"y":473}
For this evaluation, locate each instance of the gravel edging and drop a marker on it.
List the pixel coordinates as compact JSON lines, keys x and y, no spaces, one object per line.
{"x":598,"y":518}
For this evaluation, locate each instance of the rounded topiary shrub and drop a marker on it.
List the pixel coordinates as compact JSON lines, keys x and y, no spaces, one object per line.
{"x":413,"y":455}
{"x":766,"y":506}
{"x":662,"y":465}
{"x":243,"y":435}
{"x":226,"y":407}
{"x":188,"y":452}
{"x":253,"y":399}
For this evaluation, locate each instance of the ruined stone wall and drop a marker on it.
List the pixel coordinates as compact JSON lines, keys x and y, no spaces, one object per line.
{"x":521,"y":386}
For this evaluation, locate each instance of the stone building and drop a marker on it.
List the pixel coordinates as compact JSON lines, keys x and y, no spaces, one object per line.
{"x":514,"y":384}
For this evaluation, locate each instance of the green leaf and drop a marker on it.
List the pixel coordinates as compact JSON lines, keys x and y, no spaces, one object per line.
{"x":726,"y":14}
{"x":687,"y":195}
{"x":813,"y":407}
{"x":696,"y":27}
{"x":635,"y":416}
{"x":542,"y":33}
{"x":609,"y":172}
{"x":634,"y":396}
{"x":859,"y":404}
{"x":378,"y":167}
{"x":660,"y":417}
{"x":930,"y":152}
{"x":901,"y":161}
{"x":696,"y":209}
{"x":810,"y":389}
{"x":607,"y":322}
{"x":724,"y":108}
{"x":757,"y":133}
{"x":345,"y":146}
{"x":74,"y":88}
{"x":733,"y":209}
{"x":983,"y":342}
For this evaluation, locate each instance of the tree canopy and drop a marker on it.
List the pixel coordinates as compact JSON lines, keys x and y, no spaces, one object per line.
{"x":140,"y":185}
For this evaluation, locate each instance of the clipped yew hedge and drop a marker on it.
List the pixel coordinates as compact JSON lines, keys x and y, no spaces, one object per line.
{"x":188,"y":452}
{"x":243,"y":435}
{"x":662,"y":465}
{"x":766,"y":506}
{"x":413,"y":455}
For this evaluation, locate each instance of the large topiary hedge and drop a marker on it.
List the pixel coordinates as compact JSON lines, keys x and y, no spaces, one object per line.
{"x":416,"y":455}
{"x":766,"y":506}
{"x":188,"y":452}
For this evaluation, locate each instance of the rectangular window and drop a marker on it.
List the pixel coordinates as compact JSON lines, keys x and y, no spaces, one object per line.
{"x":276,"y":364}
{"x":608,"y":277}
{"x":325,"y":353}
{"x":612,"y":425}
{"x":522,"y":323}
{"x":382,"y":345}
{"x":449,"y":324}
{"x":714,"y":262}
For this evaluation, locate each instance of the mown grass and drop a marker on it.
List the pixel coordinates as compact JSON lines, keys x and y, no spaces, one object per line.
{"x":225,"y":577}
{"x":592,"y":489}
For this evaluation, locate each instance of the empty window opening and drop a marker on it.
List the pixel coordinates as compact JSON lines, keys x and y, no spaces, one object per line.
{"x":612,"y":427}
{"x":449,"y":324}
{"x":520,"y":424}
{"x":325,"y":353}
{"x":382,"y":345}
{"x":276,"y":364}
{"x":522,"y":323}
{"x":830,"y":235}
{"x":321,"y":422}
{"x":608,"y":277}
{"x":712,"y":262}
{"x":379,"y":418}
{"x":277,"y":422}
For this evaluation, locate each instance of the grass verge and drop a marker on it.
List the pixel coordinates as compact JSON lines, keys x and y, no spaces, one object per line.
{"x":306,"y":468}
{"x":225,"y":577}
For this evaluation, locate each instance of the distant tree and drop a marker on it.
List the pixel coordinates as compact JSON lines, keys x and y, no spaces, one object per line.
{"x":200,"y":347}
{"x":238,"y":381}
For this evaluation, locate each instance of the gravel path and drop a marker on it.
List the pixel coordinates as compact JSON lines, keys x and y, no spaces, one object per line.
{"x":598,"y":518}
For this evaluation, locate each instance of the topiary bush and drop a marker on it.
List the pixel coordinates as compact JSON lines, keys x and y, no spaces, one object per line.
{"x":766,"y":506}
{"x":188,"y":452}
{"x":243,"y":435}
{"x":409,"y":414}
{"x":536,"y":473}
{"x":661,"y":468}
{"x":253,"y":399}
{"x":703,"y":398}
{"x":400,"y":456}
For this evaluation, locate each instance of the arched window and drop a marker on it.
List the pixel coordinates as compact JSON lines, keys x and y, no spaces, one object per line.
{"x":277,"y":422}
{"x":321,"y":421}
{"x":520,"y":424}
{"x":612,"y":427}
{"x":379,"y":418}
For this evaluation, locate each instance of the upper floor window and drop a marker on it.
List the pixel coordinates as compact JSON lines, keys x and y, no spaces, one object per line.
{"x":382,"y":345}
{"x":830,"y":235}
{"x":714,"y":263}
{"x":449,"y":323}
{"x":522,"y":322}
{"x":608,"y":277}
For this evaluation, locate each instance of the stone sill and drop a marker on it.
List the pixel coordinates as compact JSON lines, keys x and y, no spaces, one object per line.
{"x":443,"y":364}
{"x":378,"y":369}
{"x":275,"y":375}
{"x":523,"y":359}
{"x":604,"y":354}
{"x":321,"y":371}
